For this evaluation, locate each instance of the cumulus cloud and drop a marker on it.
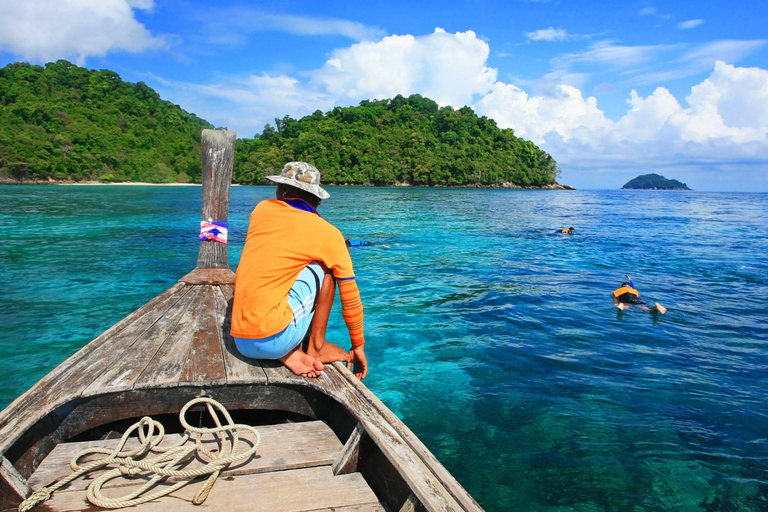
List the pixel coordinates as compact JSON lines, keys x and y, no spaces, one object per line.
{"x":534,"y":117}
{"x":685,"y":25}
{"x":726,"y":119}
{"x":41,"y":30}
{"x":548,"y":34}
{"x":449,"y":68}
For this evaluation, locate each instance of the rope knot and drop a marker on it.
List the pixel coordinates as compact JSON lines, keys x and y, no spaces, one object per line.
{"x":39,"y":496}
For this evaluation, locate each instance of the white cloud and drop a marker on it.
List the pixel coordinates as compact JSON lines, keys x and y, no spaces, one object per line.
{"x":257,"y":100}
{"x":41,"y":30}
{"x":685,"y":25}
{"x":534,"y":117}
{"x":649,"y":64}
{"x":548,"y":34}
{"x":230,"y":25}
{"x":726,"y":120}
{"x":449,"y":68}
{"x":728,"y":50}
{"x":613,"y":54}
{"x":652,"y":11}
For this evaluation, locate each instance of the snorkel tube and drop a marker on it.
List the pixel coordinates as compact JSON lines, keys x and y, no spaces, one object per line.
{"x":630,"y":280}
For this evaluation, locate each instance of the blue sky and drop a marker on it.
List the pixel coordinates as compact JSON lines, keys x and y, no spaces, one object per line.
{"x":611,"y":89}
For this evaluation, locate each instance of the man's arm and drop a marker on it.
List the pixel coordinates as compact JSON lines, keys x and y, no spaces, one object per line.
{"x":352,"y":311}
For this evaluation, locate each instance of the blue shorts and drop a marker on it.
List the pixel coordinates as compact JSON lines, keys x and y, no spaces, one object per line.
{"x":301,"y":298}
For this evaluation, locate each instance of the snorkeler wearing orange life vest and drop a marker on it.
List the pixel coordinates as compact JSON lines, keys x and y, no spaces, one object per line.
{"x":569,"y":231}
{"x":627,"y":295}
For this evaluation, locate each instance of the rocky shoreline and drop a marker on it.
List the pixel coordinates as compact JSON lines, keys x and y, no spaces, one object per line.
{"x":505,"y":185}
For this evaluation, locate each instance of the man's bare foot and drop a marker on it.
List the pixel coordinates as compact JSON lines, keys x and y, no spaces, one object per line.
{"x":328,"y":352}
{"x":302,"y":364}
{"x":661,"y":309}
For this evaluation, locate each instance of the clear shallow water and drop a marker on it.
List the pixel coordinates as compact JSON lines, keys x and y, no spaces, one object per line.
{"x":492,"y":337}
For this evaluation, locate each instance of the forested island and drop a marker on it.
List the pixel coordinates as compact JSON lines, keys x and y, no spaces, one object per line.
{"x":654,"y":182}
{"x":62,"y":122}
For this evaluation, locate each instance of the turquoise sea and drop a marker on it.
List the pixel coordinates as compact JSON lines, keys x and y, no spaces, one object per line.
{"x":492,"y":337}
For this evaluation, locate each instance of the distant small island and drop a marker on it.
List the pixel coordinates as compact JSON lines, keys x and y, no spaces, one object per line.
{"x":654,"y":182}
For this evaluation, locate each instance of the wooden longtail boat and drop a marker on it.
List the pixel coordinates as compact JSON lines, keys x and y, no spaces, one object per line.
{"x":326,"y":443}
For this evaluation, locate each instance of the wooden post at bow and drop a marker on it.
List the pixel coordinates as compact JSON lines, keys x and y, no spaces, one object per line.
{"x":218,"y":154}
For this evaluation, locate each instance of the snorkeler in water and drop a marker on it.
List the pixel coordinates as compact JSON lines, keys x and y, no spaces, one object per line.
{"x":568,"y":231}
{"x":358,"y":243}
{"x":627,"y":296}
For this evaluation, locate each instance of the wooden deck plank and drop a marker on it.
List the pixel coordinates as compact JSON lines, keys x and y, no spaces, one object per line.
{"x":164,"y":369}
{"x":239,"y":369}
{"x":79,"y":369}
{"x":277,"y":374}
{"x":296,"y":490}
{"x":209,"y":276}
{"x":283,"y":447}
{"x":122,"y":374}
{"x":205,"y":363}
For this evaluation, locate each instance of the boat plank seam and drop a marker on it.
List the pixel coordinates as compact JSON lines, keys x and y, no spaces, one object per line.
{"x":165,"y":367}
{"x":238,"y":369}
{"x":205,"y":363}
{"x":123,"y":373}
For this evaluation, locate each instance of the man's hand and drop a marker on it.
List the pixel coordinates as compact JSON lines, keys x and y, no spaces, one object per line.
{"x":359,"y":361}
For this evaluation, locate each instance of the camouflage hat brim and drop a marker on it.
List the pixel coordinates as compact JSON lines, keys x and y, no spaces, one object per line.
{"x":315,"y":190}
{"x":301,"y":175}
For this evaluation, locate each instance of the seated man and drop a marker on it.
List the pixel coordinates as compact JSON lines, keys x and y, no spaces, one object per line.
{"x":627,"y":296}
{"x":286,"y":280}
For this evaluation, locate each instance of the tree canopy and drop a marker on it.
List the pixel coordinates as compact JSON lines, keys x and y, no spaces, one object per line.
{"x":64,"y":122}
{"x":399,"y":140}
{"x":655,"y":182}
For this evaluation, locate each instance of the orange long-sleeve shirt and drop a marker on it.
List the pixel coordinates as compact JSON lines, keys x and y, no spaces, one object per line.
{"x":281,"y":241}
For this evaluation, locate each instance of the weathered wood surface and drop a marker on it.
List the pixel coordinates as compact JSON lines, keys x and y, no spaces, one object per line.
{"x":16,"y":487}
{"x":209,"y":276}
{"x":280,"y":491}
{"x":218,"y":147}
{"x":205,"y":363}
{"x":239,"y":369}
{"x":164,"y":369}
{"x":283,"y":447}
{"x":126,"y":368}
{"x":355,"y":450}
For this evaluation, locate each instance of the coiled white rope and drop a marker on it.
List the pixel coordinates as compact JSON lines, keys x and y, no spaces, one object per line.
{"x":134,"y":462}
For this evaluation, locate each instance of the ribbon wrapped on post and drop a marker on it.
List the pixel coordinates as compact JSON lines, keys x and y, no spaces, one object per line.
{"x":216,"y":231}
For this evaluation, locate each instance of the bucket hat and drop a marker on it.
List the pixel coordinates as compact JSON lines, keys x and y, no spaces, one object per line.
{"x":301,"y":175}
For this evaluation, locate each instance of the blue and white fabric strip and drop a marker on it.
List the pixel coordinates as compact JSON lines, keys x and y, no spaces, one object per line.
{"x":216,"y":231}
{"x":304,"y":309}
